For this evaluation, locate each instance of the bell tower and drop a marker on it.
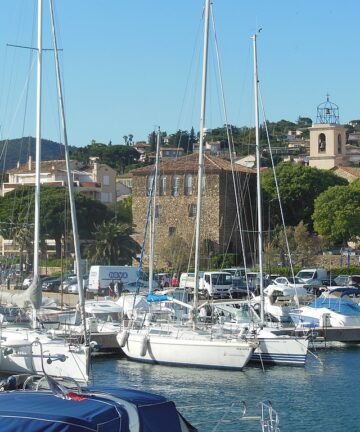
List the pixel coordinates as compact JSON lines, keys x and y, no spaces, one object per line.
{"x":327,"y":137}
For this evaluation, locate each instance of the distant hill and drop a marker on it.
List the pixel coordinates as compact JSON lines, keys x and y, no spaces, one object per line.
{"x":19,"y":149}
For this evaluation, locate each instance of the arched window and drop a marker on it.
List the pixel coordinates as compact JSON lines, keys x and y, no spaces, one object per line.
{"x":339,"y":144}
{"x":162,"y":186}
{"x":188,"y":184}
{"x":322,"y":143}
{"x":175,"y":185}
{"x":150,"y":180}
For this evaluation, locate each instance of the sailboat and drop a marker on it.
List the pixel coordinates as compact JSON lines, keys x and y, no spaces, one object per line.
{"x":189,"y":345}
{"x":31,"y":350}
{"x":273,"y":347}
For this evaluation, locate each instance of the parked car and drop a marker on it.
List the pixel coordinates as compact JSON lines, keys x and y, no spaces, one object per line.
{"x":348,"y":280}
{"x":71,"y":286}
{"x":51,"y":284}
{"x":294,"y":282}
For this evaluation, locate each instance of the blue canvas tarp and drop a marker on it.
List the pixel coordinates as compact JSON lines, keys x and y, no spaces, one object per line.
{"x":24,"y":411}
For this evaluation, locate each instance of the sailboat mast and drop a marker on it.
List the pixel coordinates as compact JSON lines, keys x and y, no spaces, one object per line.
{"x":38,"y":160}
{"x":153,"y":214}
{"x":258,"y":185}
{"x":68,"y":174}
{"x":201,"y":155}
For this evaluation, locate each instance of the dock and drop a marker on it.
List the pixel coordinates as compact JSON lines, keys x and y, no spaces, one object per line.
{"x":325,"y":334}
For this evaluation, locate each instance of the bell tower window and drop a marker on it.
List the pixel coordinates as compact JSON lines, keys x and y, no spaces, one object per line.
{"x":322,"y":143}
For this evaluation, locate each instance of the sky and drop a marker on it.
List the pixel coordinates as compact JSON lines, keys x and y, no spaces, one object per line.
{"x":130,"y":66}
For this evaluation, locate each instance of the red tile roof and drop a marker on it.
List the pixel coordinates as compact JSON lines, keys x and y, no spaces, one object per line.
{"x":190,"y":163}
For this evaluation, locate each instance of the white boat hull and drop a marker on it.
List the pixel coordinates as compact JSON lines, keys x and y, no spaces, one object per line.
{"x":187,"y":349}
{"x":283,"y":350}
{"x":29,"y":351}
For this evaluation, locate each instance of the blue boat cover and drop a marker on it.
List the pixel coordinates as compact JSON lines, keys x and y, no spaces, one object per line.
{"x":157,"y":298}
{"x":340,"y":305}
{"x":25,"y":411}
{"x":156,"y":413}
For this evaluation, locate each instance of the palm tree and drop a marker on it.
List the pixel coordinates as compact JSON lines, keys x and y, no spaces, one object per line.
{"x":23,"y":236}
{"x":113,"y":244}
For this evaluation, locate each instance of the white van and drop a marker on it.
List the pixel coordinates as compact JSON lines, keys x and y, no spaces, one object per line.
{"x":211,"y":283}
{"x":100,"y":277}
{"x":310,"y":274}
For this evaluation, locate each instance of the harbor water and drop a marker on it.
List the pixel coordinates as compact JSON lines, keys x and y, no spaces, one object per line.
{"x":322,"y":396}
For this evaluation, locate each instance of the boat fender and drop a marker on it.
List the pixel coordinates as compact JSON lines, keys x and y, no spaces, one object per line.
{"x":124,"y":336}
{"x":143,"y":345}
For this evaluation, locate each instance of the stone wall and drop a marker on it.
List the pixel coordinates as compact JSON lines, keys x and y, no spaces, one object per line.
{"x":218,"y":221}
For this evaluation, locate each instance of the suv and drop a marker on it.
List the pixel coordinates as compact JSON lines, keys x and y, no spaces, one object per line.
{"x":348,"y":280}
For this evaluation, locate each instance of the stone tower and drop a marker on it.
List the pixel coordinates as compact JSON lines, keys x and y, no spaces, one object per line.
{"x":327,"y":137}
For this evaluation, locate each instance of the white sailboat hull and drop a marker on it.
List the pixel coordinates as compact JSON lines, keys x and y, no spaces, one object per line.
{"x":29,"y":351}
{"x":187,"y":348}
{"x":283,"y":350}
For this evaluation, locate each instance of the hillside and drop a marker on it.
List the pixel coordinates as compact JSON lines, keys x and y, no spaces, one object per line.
{"x":19,"y":150}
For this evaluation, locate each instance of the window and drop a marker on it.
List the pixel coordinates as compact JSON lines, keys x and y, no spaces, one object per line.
{"x":172,"y":231}
{"x":149,"y":184}
{"x":192,"y":210}
{"x":157,"y":211}
{"x":106,"y":197}
{"x":203,"y":185}
{"x":162,"y":186}
{"x":188,"y":185}
{"x":339,"y":143}
{"x":322,"y":143}
{"x":175,"y":185}
{"x":106,"y":180}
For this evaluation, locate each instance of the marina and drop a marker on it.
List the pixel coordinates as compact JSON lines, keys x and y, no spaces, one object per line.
{"x":321,"y":396}
{"x":186,"y":283}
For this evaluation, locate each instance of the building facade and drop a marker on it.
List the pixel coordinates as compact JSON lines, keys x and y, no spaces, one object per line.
{"x":96,"y":181}
{"x":176,"y":204}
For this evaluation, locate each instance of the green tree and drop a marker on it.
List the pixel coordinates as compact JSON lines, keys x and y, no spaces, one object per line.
{"x":116,"y":156}
{"x":299,"y":186}
{"x":175,"y":252}
{"x":337,"y":213}
{"x":55,"y":215}
{"x":113,"y":244}
{"x":303,"y":246}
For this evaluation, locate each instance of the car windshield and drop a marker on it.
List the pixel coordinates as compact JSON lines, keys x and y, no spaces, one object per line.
{"x":296,"y":280}
{"x":221,"y":279}
{"x":305,"y":274}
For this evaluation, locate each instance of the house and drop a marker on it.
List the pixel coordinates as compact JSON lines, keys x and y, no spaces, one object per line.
{"x":349,"y":173}
{"x":171,"y":152}
{"x":96,"y":181}
{"x":176,"y":204}
{"x":123,"y":186}
{"x":247,"y":161}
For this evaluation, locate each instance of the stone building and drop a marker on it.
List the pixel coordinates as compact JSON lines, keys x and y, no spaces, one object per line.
{"x":176,"y":204}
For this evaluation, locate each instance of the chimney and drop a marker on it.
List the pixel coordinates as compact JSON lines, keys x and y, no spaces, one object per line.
{"x":29,"y":163}
{"x":18,"y":164}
